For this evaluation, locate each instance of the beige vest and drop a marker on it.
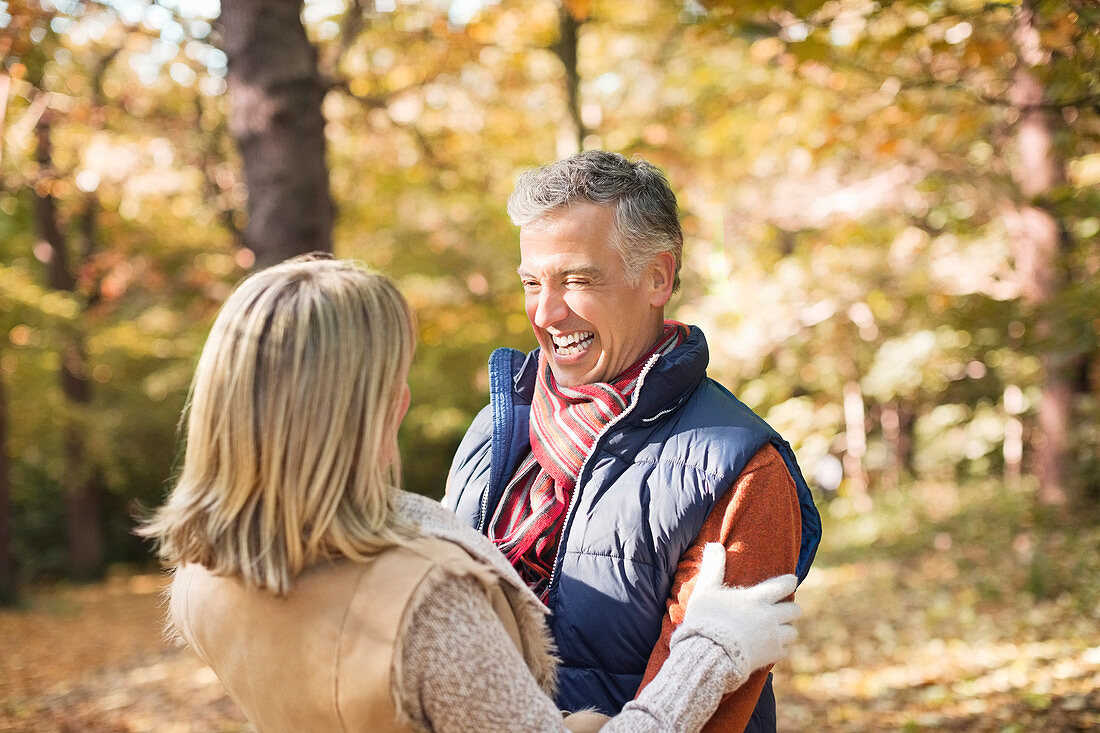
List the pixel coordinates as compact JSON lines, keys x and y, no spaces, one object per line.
{"x":323,"y":658}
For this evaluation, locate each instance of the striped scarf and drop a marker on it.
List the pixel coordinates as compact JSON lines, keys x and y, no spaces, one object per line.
{"x":565,"y":423}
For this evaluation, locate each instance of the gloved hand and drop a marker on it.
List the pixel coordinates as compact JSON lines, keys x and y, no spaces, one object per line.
{"x":752,"y":624}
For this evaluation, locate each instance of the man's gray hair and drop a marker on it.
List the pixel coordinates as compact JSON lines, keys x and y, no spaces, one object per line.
{"x":646,"y":218}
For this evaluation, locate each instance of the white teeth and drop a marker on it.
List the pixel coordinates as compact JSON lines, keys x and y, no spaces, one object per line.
{"x":572,"y":338}
{"x":573,"y":343}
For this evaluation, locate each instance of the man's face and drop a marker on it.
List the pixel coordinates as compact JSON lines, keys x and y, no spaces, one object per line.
{"x":589,"y":322}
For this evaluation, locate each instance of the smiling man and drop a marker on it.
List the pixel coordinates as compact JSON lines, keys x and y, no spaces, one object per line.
{"x":606,"y":458}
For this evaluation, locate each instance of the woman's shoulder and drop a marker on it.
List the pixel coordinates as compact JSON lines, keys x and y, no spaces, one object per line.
{"x":437,"y":523}
{"x":205,"y":607}
{"x":430,"y":553}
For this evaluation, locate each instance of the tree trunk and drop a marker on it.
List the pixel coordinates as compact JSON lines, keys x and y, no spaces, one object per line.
{"x":84,"y":523}
{"x":569,"y":25}
{"x":276,"y":94}
{"x":897,"y":432}
{"x":855,"y":444}
{"x":1013,"y":449}
{"x":1038,"y":248}
{"x":8,"y":581}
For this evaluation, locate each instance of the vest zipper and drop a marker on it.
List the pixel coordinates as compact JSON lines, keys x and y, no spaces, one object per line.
{"x":483,"y":523}
{"x":584,"y":466}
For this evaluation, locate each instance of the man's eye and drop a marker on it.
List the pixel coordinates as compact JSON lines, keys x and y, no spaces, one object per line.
{"x":575,"y":283}
{"x":530,"y":284}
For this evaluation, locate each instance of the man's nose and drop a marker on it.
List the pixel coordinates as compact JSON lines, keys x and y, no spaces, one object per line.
{"x":550,"y":309}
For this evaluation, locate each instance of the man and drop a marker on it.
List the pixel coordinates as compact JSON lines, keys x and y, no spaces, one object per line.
{"x":606,"y":458}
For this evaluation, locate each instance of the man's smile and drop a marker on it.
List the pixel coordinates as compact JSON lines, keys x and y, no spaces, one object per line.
{"x":572,"y":344}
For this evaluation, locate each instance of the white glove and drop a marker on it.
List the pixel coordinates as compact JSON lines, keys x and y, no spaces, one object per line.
{"x":751,"y":624}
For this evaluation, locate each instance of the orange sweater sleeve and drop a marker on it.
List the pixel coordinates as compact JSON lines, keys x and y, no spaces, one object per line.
{"x":759,"y":523}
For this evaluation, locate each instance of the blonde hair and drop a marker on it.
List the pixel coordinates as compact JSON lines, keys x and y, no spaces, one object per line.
{"x":291,"y":452}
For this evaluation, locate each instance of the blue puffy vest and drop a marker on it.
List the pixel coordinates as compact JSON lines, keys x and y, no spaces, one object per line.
{"x":641,"y":499}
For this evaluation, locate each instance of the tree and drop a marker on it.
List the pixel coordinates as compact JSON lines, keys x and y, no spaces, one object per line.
{"x":981,"y":109}
{"x":1040,"y":247}
{"x":276,"y":95}
{"x":82,"y":486}
{"x":570,"y":21}
{"x":8,"y":581}
{"x":115,"y":178}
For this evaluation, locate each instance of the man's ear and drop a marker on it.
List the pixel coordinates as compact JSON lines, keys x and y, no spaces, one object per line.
{"x":660,"y":276}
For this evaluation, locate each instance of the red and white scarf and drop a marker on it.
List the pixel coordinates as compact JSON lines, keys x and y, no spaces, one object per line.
{"x":565,"y":423}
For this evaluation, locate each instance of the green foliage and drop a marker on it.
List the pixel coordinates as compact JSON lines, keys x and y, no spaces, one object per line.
{"x":150,"y":270}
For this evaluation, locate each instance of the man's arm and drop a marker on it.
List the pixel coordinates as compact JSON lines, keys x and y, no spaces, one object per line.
{"x":759,"y":523}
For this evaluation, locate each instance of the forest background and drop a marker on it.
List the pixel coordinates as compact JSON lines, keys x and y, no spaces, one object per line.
{"x":891,"y":214}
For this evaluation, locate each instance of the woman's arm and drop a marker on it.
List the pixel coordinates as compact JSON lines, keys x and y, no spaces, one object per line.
{"x":460,"y":671}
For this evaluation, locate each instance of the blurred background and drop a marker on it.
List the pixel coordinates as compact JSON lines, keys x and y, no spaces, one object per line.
{"x":891,"y":214}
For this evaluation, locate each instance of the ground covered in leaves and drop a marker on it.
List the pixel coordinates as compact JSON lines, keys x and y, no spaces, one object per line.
{"x":941,"y":609}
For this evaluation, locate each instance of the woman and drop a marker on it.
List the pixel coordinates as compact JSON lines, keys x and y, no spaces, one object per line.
{"x":327,"y":599}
